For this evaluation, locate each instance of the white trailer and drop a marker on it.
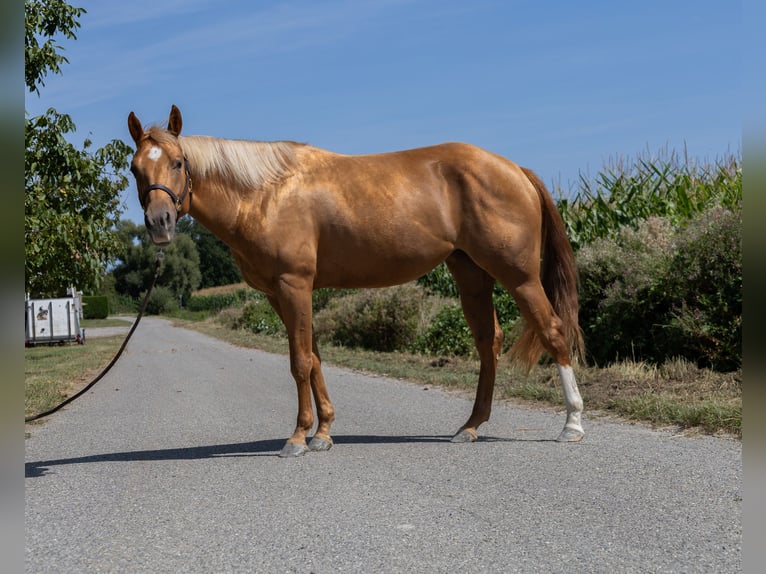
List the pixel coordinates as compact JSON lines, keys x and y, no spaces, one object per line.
{"x":54,"y":320}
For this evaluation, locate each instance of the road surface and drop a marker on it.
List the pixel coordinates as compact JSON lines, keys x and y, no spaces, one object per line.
{"x":170,"y":465}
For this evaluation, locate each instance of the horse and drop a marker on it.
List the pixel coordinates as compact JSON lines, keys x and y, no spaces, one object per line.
{"x":299,"y":218}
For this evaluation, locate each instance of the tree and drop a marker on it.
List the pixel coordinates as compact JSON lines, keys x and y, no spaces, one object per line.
{"x":216,"y":263}
{"x":71,"y":196}
{"x":179,"y":273}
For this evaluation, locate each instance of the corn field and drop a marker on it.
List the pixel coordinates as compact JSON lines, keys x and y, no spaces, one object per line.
{"x":626,"y":192}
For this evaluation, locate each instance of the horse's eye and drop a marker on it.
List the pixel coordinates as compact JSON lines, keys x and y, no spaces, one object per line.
{"x":133,"y":169}
{"x":177,"y":164}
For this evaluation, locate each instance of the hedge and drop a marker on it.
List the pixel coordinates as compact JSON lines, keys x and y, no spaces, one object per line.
{"x":95,"y":306}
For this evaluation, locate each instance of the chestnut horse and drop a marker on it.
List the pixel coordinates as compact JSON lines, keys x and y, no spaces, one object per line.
{"x":298,"y":218}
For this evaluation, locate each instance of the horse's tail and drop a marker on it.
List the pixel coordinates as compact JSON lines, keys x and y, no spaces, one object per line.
{"x":559,"y":279}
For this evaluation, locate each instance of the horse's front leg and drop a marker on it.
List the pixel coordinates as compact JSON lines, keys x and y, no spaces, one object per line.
{"x":293,"y":304}
{"x":325,"y":410}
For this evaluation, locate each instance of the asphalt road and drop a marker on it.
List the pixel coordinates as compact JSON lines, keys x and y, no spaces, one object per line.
{"x":169,"y":465}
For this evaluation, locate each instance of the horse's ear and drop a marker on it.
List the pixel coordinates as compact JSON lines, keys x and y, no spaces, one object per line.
{"x":134,"y":125}
{"x":174,"y":121}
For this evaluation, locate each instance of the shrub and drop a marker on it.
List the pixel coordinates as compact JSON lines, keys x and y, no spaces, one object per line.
{"x":162,"y":301}
{"x":448,"y":334}
{"x":95,"y":306}
{"x":122,"y":304}
{"x":259,"y":316}
{"x":660,"y":292}
{"x":377,"y":319}
{"x":320,"y":298}
{"x":439,"y":281}
{"x":705,"y":287}
{"x":618,"y":278}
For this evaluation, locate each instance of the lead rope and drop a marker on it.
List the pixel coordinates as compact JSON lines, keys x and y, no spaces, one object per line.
{"x":160,"y":256}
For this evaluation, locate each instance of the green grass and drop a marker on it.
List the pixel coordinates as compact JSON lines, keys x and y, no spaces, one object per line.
{"x":52,"y":373}
{"x":109,"y":322}
{"x":710,"y":416}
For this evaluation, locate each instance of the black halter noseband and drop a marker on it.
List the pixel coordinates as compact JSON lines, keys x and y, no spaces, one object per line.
{"x":178,"y":201}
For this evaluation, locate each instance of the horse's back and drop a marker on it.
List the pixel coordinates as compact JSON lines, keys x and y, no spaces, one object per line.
{"x":390,"y":217}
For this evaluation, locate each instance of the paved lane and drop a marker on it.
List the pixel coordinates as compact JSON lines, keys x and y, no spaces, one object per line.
{"x":169,"y":465}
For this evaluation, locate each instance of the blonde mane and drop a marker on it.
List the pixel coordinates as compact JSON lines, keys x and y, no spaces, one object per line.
{"x":251,"y":164}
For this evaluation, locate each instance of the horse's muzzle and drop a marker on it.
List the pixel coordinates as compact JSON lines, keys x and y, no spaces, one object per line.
{"x":161,"y":224}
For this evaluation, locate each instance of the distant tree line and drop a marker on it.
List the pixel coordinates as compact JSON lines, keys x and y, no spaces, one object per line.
{"x":195,"y":260}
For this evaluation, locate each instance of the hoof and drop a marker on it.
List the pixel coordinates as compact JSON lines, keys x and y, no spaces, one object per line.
{"x":292,"y":449}
{"x":570,"y":435}
{"x":318,"y":444}
{"x":465,"y":435}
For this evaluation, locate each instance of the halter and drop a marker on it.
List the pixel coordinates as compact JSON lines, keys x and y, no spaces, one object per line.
{"x":178,"y":201}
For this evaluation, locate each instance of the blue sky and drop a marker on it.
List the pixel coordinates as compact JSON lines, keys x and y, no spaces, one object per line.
{"x":557,"y":86}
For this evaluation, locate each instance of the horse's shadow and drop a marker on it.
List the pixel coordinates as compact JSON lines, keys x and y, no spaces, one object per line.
{"x":269,"y":447}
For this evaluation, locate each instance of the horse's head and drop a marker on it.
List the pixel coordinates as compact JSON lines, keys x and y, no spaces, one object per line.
{"x":162,"y":176}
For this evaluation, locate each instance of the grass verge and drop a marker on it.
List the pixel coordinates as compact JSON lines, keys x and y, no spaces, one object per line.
{"x":676,"y":394}
{"x":53,"y":373}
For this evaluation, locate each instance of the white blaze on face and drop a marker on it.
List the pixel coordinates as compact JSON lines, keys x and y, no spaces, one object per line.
{"x":154,"y":153}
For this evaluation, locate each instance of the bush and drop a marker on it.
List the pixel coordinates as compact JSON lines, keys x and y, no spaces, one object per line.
{"x":659,"y":292}
{"x":618,"y":280}
{"x":387,"y":319}
{"x":95,"y":306}
{"x":439,"y":281}
{"x":259,"y":316}
{"x":162,"y":302}
{"x":320,"y":298}
{"x":448,"y":334}
{"x":705,"y":287}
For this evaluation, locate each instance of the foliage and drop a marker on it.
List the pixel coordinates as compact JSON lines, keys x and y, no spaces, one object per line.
{"x":704,"y":282}
{"x":71,"y":196}
{"x":379,"y":319}
{"x":216,"y":301}
{"x":259,"y":316}
{"x":320,"y":298}
{"x":162,"y":301}
{"x":95,"y":306}
{"x":659,"y":292}
{"x":439,"y":281}
{"x":447,"y":334}
{"x":180,"y":263}
{"x":627,"y":192}
{"x":71,"y":203}
{"x":216,"y":263}
{"x":44,"y":19}
{"x":118,"y":302}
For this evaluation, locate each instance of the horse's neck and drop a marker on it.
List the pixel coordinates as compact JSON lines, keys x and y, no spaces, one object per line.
{"x":228,"y":175}
{"x":216,"y":208}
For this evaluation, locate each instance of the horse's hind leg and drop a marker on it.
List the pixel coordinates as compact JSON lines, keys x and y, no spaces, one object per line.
{"x":547,"y":326}
{"x":475,"y":287}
